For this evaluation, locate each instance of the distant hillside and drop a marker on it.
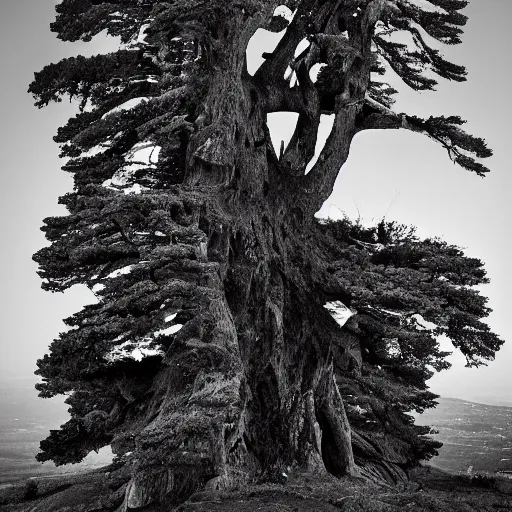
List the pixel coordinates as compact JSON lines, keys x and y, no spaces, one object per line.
{"x":473,"y":434}
{"x":26,"y":419}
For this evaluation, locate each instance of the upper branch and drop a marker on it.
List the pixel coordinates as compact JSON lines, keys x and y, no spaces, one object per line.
{"x":304,"y":24}
{"x":461,"y":146}
{"x":274,"y":67}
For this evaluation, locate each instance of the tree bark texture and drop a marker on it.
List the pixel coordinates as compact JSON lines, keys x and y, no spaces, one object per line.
{"x":259,"y":393}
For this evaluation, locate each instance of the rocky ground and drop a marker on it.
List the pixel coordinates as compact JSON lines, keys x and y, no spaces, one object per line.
{"x":429,"y":490}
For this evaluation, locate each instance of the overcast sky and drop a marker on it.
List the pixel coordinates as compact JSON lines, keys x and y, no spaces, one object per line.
{"x":396,"y":174}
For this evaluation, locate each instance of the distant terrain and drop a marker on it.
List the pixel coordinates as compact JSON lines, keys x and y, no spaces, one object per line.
{"x":25,"y":420}
{"x":472,"y":435}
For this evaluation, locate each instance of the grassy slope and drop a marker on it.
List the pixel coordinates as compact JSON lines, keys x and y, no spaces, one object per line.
{"x":430,"y":490}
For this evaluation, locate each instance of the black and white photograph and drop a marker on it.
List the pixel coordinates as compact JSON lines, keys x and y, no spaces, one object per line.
{"x":255,"y":256}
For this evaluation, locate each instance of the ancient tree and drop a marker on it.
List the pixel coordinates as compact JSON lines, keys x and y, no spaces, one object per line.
{"x":235,"y":336}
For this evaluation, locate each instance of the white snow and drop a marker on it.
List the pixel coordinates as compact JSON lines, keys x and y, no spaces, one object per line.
{"x":114,"y":184}
{"x":388,"y":311}
{"x":324,"y":130}
{"x":134,"y":189}
{"x":121,"y":271}
{"x":143,"y":153}
{"x":422,"y":323}
{"x":393,"y":347}
{"x":426,"y":6}
{"x":339,"y":312}
{"x":134,"y":350}
{"x":159,"y":233}
{"x":116,"y":181}
{"x":141,"y":38}
{"x":151,"y":79}
{"x":120,"y":179}
{"x":141,"y":156}
{"x":170,"y":318}
{"x":169,"y":330}
{"x":281,"y":126}
{"x":96,"y":150}
{"x":98,"y":287}
{"x":127,"y":105}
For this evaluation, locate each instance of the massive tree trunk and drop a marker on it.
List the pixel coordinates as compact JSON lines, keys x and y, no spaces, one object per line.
{"x":259,"y":394}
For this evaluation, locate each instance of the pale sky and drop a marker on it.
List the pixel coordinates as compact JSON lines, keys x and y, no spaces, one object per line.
{"x":396,"y":174}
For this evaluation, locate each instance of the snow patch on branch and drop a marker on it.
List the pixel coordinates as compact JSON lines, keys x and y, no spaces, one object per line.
{"x":173,"y":329}
{"x":136,"y":350}
{"x":426,"y":6}
{"x":144,"y":155}
{"x":152,"y":79}
{"x":127,"y":105}
{"x":393,"y":349}
{"x":145,"y":347}
{"x":98,"y":287}
{"x":121,"y":271}
{"x":339,"y":312}
{"x":422,"y":324}
{"x":141,"y":38}
{"x":357,"y":409}
{"x":294,"y":80}
{"x":96,"y":150}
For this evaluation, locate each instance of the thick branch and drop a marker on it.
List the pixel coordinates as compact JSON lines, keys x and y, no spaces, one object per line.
{"x":301,"y":148}
{"x":318,"y":184}
{"x":301,"y":26}
{"x":444,"y":131}
{"x":275,"y":65}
